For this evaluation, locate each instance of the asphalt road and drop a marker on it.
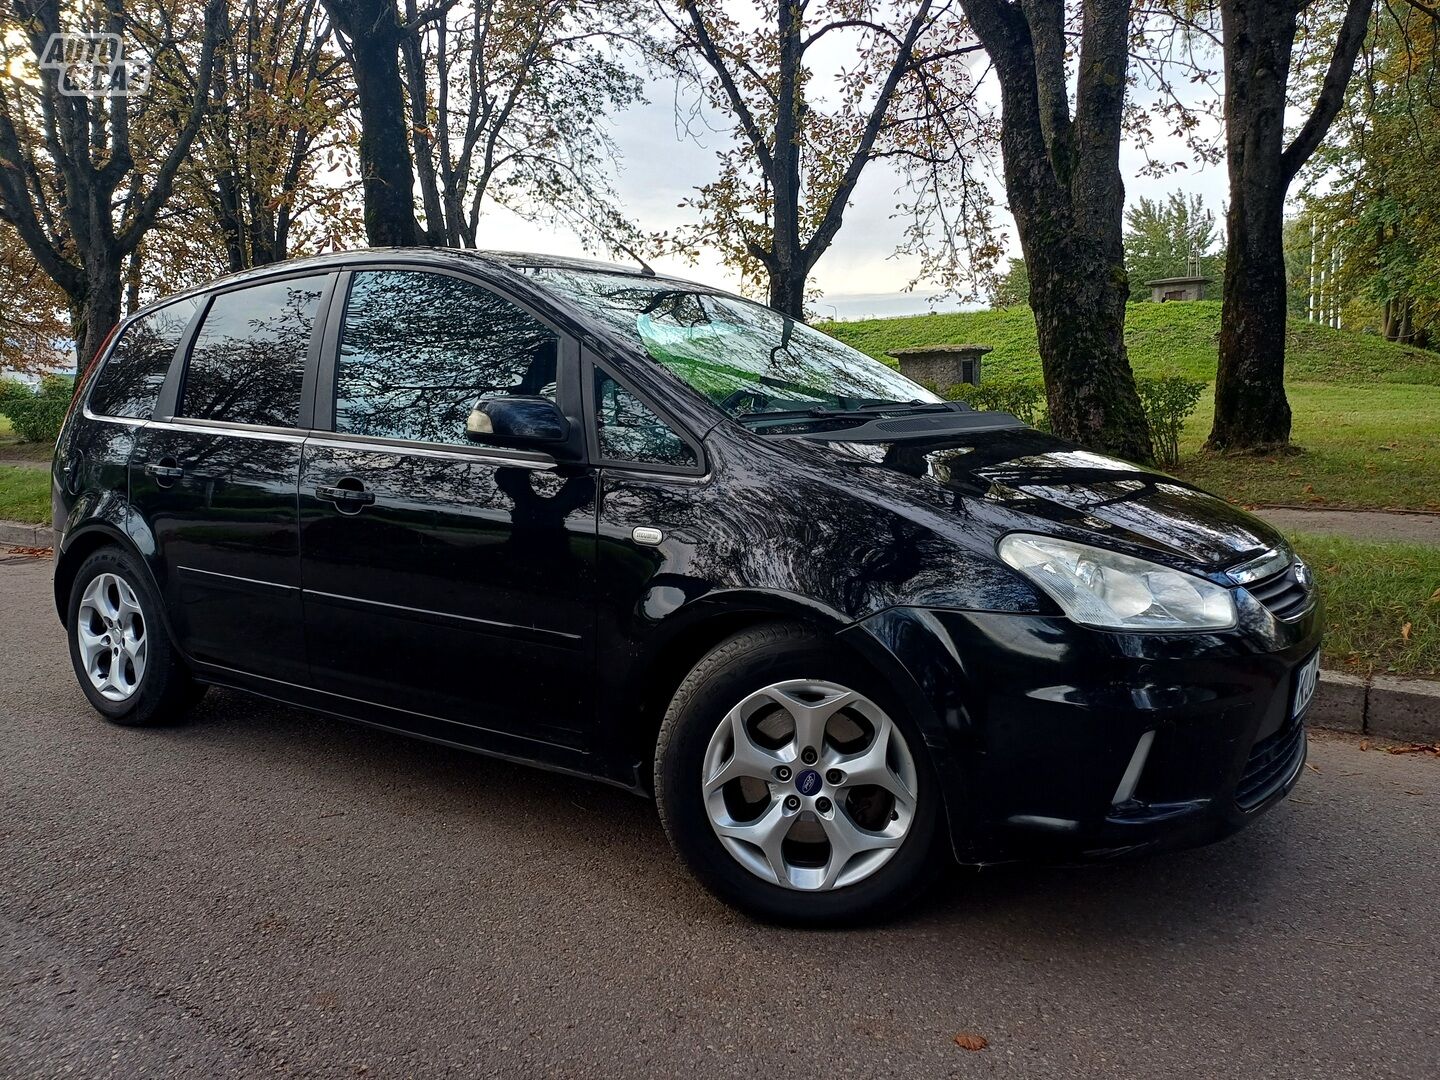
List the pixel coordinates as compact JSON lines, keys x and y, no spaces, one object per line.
{"x":266,"y":892}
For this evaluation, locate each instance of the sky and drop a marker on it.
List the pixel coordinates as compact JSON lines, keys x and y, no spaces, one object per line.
{"x":860,"y":275}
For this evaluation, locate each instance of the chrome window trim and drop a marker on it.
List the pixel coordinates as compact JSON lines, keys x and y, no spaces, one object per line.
{"x":475,"y":455}
{"x":225,"y":427}
{"x":131,"y":420}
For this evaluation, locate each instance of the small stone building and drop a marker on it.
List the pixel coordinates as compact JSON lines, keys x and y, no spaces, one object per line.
{"x":941,"y":366}
{"x":1177,"y":288}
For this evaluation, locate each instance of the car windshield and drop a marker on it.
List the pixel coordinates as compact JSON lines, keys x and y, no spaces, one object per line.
{"x":747,"y":359}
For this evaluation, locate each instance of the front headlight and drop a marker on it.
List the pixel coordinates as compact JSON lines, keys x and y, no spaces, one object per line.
{"x":1106,"y":589}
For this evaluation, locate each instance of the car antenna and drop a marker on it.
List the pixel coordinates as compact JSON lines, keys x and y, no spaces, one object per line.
{"x":645,"y":268}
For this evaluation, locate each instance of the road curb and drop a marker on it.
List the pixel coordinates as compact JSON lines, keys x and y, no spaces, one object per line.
{"x":17,"y":534}
{"x":1403,"y":709}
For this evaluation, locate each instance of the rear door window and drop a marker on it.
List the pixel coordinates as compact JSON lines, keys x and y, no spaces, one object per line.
{"x":419,"y":349}
{"x":130,"y":381}
{"x":248,"y":361}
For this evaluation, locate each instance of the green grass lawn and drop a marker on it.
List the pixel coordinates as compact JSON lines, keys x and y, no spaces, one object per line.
{"x":1374,"y":446}
{"x":1382,"y":604}
{"x":1366,"y":412}
{"x":24,"y":494}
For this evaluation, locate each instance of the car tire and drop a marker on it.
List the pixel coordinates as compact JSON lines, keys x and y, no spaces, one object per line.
{"x":113,"y":609}
{"x":771,"y":676}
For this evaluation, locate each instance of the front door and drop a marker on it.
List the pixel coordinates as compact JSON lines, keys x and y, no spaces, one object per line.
{"x":443,"y":579}
{"x":216,"y":483}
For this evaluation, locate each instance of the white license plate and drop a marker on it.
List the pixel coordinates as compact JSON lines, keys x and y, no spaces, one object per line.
{"x":1306,"y":680}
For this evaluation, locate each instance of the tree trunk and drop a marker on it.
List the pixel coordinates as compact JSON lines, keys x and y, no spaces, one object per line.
{"x":1062,"y":175}
{"x":387,"y":178}
{"x":1078,"y":294}
{"x":787,"y":291}
{"x":94,"y":313}
{"x":1251,"y":411}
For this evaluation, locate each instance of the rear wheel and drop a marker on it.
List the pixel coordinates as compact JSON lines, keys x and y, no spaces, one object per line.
{"x":123,"y":659}
{"x":790,"y":784}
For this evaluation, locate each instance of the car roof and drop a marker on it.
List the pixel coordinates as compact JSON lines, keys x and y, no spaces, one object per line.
{"x":514,"y":261}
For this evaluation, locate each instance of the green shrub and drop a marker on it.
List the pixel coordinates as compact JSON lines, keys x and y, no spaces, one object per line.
{"x":1168,"y":401}
{"x":36,"y":415}
{"x":10,"y":389}
{"x":1023,"y":400}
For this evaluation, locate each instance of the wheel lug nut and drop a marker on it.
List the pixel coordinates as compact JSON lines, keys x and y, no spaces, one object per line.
{"x":808,"y":755}
{"x":823,"y":804}
{"x":782,"y":773}
{"x":792,"y":802}
{"x":834,"y":777}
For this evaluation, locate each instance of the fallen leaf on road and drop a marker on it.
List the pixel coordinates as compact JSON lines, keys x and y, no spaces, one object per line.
{"x":971,"y":1042}
{"x":1364,"y":744}
{"x":1312,"y":766}
{"x":1408,"y":792}
{"x":1415,"y":748}
{"x":45,"y":553}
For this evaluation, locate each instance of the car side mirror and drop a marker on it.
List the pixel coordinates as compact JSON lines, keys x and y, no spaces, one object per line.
{"x":516,"y":421}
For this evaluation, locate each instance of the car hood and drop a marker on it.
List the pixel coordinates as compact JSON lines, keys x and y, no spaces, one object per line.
{"x":1024,"y":479}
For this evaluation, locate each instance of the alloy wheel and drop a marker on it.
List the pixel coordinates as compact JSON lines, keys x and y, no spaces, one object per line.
{"x":809,"y":785}
{"x":111,"y":632}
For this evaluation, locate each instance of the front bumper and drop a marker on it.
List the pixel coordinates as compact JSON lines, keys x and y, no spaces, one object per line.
{"x":1036,"y":723}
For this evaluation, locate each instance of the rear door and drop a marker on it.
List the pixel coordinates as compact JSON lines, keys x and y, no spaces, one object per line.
{"x":215,"y":476}
{"x":449,"y":581}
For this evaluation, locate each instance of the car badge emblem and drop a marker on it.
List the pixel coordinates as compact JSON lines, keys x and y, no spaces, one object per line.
{"x":808,"y":782}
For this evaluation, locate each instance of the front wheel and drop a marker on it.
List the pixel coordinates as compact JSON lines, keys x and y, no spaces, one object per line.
{"x":790,"y":784}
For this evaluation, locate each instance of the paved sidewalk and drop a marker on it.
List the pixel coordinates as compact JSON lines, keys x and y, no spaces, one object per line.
{"x":1392,"y":525}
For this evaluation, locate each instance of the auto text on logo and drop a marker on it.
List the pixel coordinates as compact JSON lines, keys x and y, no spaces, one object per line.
{"x":95,"y":66}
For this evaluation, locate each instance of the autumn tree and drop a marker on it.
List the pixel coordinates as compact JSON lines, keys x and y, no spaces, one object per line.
{"x":1372,"y":203}
{"x":1163,"y":236}
{"x":33,"y":319}
{"x":902,"y":93}
{"x":509,"y":102}
{"x":1259,"y":40}
{"x":85,"y":169}
{"x":1066,"y":192}
{"x":271,"y":147}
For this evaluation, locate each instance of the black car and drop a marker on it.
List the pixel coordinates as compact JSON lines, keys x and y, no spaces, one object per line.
{"x":634,"y":528}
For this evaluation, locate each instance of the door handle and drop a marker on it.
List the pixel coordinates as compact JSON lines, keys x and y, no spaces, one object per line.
{"x":347,"y":498}
{"x":166,"y":469}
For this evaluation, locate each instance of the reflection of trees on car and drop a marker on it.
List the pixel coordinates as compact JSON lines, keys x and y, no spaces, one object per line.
{"x":419,"y":349}
{"x":129,"y":383}
{"x":730,"y":349}
{"x":248,"y":360}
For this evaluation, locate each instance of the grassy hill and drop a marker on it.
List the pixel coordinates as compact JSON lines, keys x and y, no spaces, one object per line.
{"x":1162,"y":338}
{"x":1366,"y":412}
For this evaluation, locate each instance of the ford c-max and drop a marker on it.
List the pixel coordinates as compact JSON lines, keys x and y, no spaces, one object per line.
{"x":634,"y":528}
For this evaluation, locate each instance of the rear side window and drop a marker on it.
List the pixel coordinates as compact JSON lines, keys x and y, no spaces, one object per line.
{"x":419,"y":349}
{"x":130,"y":381}
{"x":248,"y":360}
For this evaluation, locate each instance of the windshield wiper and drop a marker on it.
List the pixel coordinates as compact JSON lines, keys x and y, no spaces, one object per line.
{"x":825,"y":412}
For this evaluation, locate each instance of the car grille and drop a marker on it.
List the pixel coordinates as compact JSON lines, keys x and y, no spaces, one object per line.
{"x":1272,"y":761}
{"x":1284,"y":594}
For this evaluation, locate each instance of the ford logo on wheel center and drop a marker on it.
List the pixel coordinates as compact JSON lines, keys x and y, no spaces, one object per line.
{"x":808,"y":782}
